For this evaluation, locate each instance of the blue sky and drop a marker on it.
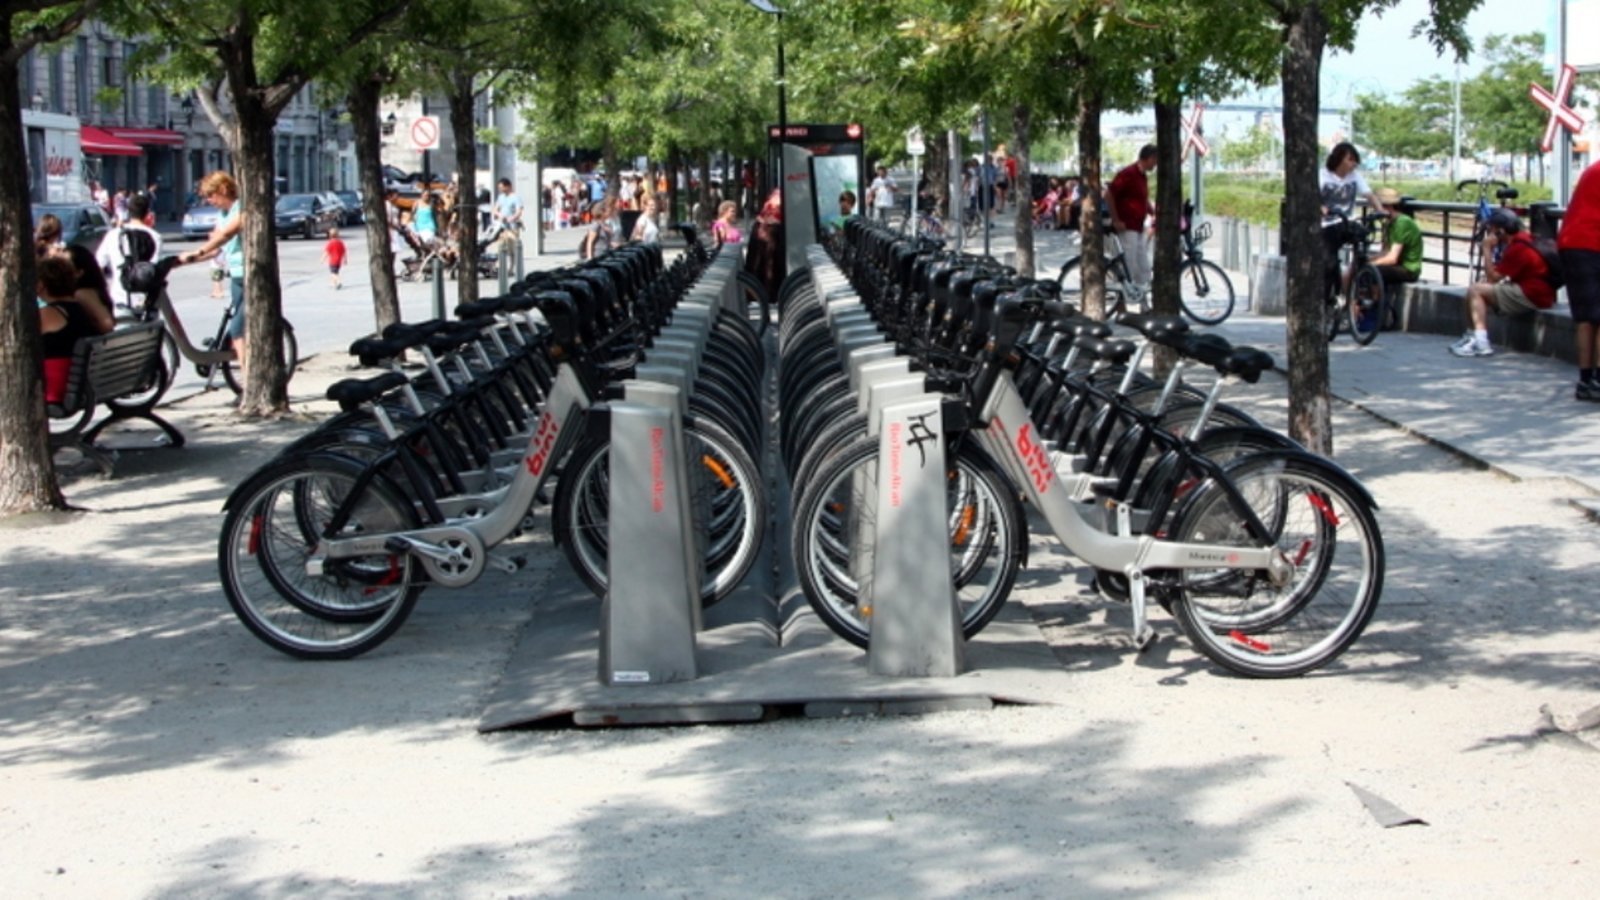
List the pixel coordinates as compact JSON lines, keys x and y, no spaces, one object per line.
{"x":1386,"y":55}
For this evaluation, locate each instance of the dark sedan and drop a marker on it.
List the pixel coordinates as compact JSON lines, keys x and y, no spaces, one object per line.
{"x":303,"y":214}
{"x":354,"y":214}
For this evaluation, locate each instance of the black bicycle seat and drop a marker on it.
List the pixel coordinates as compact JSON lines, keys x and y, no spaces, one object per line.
{"x":1168,"y":330}
{"x":1506,"y":193}
{"x":1211,"y":349}
{"x":1115,"y":351}
{"x":374,"y":351}
{"x":352,"y":392}
{"x":1078,"y":326}
{"x":1248,"y":363}
{"x":412,"y":334}
{"x":486,"y":306}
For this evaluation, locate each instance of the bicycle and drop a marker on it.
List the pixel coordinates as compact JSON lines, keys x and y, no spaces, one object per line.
{"x":1361,"y":304}
{"x":1205,"y":292}
{"x":1503,"y":193}
{"x":324,"y":551}
{"x":1271,"y":562}
{"x":215,"y":355}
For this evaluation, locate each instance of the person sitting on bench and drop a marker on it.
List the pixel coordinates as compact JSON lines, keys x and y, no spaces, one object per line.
{"x":62,"y":321}
{"x":1515,"y":282}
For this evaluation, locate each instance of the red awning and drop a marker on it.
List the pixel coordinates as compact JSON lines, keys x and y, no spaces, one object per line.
{"x":149,"y":136}
{"x":99,"y":143}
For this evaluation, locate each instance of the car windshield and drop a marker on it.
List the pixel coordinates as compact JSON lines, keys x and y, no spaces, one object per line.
{"x":296,"y":203}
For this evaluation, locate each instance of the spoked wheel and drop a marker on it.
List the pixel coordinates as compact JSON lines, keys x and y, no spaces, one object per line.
{"x":291,"y":358}
{"x":1364,"y":311}
{"x":1205,"y":292}
{"x":729,"y":503}
{"x":987,"y":538}
{"x":270,"y":533}
{"x":1322,"y":526}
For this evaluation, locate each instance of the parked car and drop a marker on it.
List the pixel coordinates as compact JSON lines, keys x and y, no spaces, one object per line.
{"x":83,"y":224}
{"x":304,"y":214}
{"x":354,"y":213}
{"x":331,"y":200}
{"x":199,"y":217}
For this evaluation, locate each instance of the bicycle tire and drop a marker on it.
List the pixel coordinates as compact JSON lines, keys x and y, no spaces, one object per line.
{"x":291,"y":359}
{"x":726,"y":476}
{"x":1326,"y":529}
{"x":1205,"y":292}
{"x":988,"y":537}
{"x":352,"y":607}
{"x":1364,"y":309}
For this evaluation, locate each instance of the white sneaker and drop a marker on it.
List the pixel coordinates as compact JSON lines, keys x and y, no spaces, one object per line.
{"x":1472,"y":347}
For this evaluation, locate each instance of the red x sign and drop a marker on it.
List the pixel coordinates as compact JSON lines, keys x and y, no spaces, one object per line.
{"x":1191,"y":132}
{"x":1560,"y":113}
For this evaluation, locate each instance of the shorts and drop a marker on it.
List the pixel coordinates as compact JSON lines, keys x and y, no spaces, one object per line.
{"x":334,"y":270}
{"x":1509,"y":300}
{"x":1396,"y":274}
{"x":236,"y":307}
{"x":1581,"y":269}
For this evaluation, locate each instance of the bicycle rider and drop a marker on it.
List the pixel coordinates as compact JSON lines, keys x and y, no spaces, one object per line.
{"x":226,"y":240}
{"x":1341,"y":183}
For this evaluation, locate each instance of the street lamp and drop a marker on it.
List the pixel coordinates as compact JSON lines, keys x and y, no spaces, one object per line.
{"x":388,"y":124}
{"x":38,"y":102}
{"x":188,"y":110}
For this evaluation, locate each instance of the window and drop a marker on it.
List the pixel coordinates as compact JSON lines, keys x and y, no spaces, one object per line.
{"x":58,"y":79}
{"x":82,"y":68}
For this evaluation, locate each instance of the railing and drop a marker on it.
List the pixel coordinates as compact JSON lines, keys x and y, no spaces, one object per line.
{"x":1447,"y":234}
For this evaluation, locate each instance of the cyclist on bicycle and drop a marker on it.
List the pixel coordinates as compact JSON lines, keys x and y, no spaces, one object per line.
{"x":1516,"y":281}
{"x":1341,"y":183}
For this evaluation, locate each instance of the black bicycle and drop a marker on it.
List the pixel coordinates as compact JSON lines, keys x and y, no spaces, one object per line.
{"x":1361,"y":305}
{"x":1504,"y":193}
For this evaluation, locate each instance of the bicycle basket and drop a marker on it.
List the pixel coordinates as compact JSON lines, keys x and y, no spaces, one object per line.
{"x":1203,"y":233}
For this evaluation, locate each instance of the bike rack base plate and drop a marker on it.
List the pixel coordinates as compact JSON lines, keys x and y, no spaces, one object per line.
{"x":759,"y":659}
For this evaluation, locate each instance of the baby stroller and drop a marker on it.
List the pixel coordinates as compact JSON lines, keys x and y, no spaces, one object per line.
{"x":419,"y":265}
{"x":488,"y":256}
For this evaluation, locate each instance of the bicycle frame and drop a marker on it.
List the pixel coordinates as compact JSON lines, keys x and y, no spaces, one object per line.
{"x":554,"y":436}
{"x":1011,"y":439}
{"x":180,"y":335}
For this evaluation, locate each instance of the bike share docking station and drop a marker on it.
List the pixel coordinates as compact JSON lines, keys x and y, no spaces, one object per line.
{"x":653,"y":656}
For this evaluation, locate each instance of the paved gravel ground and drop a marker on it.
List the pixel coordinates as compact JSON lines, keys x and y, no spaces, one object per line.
{"x":150,"y":747}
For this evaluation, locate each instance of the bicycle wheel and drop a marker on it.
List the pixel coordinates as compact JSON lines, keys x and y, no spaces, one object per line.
{"x":1364,"y":310}
{"x":291,"y":358}
{"x":1322,"y":524}
{"x":1071,"y":277}
{"x":729,"y":502}
{"x":988,"y":537}
{"x":1205,"y":292}
{"x":355,"y":604}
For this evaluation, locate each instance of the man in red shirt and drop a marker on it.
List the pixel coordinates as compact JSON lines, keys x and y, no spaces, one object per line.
{"x":1129,"y":199}
{"x":1516,"y":280}
{"x":1579,"y":243}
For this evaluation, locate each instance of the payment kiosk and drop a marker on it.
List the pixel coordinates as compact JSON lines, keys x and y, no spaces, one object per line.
{"x":817,"y":163}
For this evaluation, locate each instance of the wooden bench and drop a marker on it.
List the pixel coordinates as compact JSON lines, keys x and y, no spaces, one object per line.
{"x":111,"y":370}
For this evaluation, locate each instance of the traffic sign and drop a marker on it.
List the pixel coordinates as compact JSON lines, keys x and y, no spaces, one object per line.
{"x":914,"y":143}
{"x":1192,"y":132}
{"x":425,"y":133}
{"x":1561,"y":114}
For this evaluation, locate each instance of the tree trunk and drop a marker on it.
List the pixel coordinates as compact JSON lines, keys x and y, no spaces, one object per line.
{"x":936,"y":169}
{"x":1169,"y":208}
{"x":266,"y":389}
{"x":363,"y":104}
{"x":673,"y":194}
{"x":1310,"y":416}
{"x":462,"y":127}
{"x":1093,"y":268}
{"x":1022,"y":187}
{"x":708,"y":210}
{"x":608,"y":155}
{"x":27,"y":477}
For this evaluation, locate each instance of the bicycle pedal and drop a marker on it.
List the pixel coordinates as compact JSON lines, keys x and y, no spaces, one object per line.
{"x":1143,"y":638}
{"x":507,"y":564}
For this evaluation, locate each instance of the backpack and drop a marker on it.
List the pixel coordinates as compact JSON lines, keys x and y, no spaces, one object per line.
{"x":138,"y":273}
{"x":1554,"y":274}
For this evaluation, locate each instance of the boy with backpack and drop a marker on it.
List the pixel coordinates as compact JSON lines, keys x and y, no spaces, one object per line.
{"x":130,"y":243}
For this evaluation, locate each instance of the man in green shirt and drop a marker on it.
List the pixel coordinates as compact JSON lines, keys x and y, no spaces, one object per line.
{"x":1401,"y":260}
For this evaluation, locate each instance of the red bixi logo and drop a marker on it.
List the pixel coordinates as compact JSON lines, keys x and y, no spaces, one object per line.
{"x":1034,"y":457}
{"x":544,"y":440}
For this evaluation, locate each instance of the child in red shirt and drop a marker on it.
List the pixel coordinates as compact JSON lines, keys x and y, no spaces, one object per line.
{"x":333,"y":255}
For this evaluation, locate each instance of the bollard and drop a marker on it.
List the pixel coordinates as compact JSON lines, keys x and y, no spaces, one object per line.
{"x":437,"y":274}
{"x":502,"y":268}
{"x":517,"y":244}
